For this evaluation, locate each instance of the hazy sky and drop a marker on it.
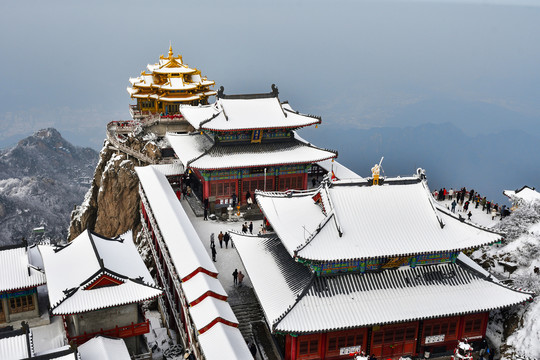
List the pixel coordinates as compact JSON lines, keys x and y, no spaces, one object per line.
{"x":66,"y":64}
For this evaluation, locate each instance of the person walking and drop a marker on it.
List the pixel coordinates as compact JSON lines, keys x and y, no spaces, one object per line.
{"x":454,"y":206}
{"x":244,"y":228}
{"x":205,"y":212}
{"x":249,"y":203}
{"x":220,"y":238}
{"x":469,"y":215}
{"x":251,"y":227}
{"x":214,"y":253}
{"x":240,"y":278}
{"x":235,"y":277}
{"x":212,"y":241}
{"x":226,"y":238}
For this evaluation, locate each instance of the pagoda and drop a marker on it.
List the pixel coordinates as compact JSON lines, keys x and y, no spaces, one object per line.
{"x":243,"y":143}
{"x":359,"y":267}
{"x":168,"y":84}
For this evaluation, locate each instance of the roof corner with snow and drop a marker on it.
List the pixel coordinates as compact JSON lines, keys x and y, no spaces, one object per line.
{"x":350,"y":220}
{"x":93,"y":272}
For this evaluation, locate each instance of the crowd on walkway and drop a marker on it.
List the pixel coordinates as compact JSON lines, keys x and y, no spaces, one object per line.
{"x":463,"y":200}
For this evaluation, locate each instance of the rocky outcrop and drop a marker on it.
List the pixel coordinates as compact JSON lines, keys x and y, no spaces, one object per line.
{"x":111,"y":206}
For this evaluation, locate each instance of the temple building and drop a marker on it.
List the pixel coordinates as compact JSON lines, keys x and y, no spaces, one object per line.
{"x":19,"y":280}
{"x":354,"y":266}
{"x":168,"y":84}
{"x":243,"y":143}
{"x":95,"y":284}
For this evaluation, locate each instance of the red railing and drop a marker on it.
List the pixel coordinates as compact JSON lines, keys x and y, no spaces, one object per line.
{"x":118,"y":331}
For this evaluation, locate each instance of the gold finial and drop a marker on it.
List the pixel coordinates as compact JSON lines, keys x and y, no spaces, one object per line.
{"x":170,"y":51}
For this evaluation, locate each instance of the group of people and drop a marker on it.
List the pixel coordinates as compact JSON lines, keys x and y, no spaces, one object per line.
{"x":222,"y":238}
{"x":246,"y":227}
{"x":238,"y":277}
{"x":463,"y":199}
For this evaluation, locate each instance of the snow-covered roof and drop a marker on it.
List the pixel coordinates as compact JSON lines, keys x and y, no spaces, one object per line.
{"x":224,"y":342}
{"x":189,"y":146}
{"x":526,"y":194}
{"x":236,"y":114}
{"x":198,"y":151}
{"x":185,"y":248}
{"x":329,"y":303}
{"x":62,"y":353}
{"x":15,"y":270}
{"x":209,"y":311}
{"x":175,"y":168}
{"x":200,"y":285}
{"x":75,"y":271}
{"x":104,"y":348}
{"x":161,"y":69}
{"x":16,"y":344}
{"x":285,"y":279}
{"x":359,"y":221}
{"x":340,"y":171}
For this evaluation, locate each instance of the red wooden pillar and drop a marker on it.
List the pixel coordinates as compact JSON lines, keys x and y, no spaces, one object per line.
{"x":322,"y":348}
{"x":293,"y":347}
{"x":206,"y":188}
{"x":461,"y":326}
{"x":304,"y":182}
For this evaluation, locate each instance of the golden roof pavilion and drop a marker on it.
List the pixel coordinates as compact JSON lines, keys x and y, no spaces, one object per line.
{"x":168,"y":84}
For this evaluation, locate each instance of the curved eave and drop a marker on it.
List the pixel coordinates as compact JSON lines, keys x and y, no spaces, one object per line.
{"x":395,"y":254}
{"x":401,"y":321}
{"x":260,"y":128}
{"x":23,"y":288}
{"x":56,"y":313}
{"x":173,"y":70}
{"x":176,"y":99}
{"x":267,"y":164}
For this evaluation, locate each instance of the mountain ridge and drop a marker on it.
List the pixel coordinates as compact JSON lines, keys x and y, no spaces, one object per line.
{"x":41,"y":179}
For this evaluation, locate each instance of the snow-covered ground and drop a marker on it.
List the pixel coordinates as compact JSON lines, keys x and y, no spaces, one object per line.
{"x":226,"y":259}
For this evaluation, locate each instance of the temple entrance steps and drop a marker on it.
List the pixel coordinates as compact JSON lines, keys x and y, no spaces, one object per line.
{"x":251,"y":322}
{"x":246,"y":308}
{"x":247,"y":314}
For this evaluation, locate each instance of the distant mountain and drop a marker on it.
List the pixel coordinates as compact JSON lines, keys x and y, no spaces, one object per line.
{"x":42,"y":178}
{"x":488,"y":163}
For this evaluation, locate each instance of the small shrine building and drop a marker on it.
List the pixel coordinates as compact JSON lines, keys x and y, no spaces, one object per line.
{"x":243,"y":143}
{"x":95,"y":284}
{"x":168,"y":84}
{"x":354,"y":266}
{"x":19,"y":280}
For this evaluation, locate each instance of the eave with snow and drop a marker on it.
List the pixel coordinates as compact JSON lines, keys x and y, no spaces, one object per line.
{"x":92,"y":275}
{"x":237,"y":113}
{"x":354,"y":221}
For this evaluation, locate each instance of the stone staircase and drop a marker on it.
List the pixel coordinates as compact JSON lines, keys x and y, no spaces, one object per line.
{"x":246,"y":314}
